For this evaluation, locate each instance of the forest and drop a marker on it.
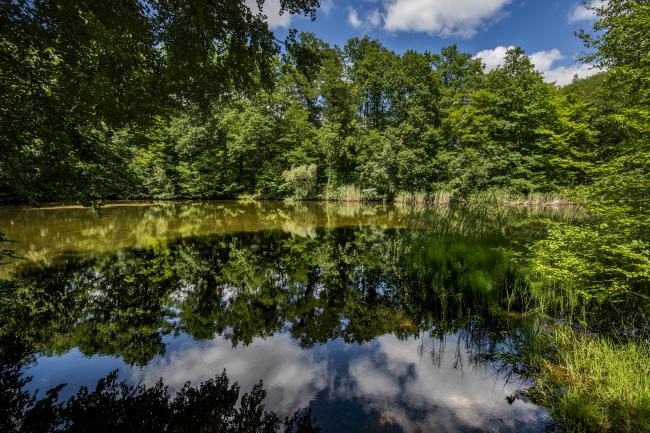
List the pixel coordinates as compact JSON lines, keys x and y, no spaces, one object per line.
{"x":118,"y":103}
{"x":198,"y":99}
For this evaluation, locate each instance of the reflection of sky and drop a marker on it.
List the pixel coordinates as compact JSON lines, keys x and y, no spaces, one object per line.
{"x":291,"y":376}
{"x":385,"y":385}
{"x":400,"y":383}
{"x":74,"y":369}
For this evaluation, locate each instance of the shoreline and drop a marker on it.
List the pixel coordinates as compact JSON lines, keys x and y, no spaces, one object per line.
{"x":112,"y":203}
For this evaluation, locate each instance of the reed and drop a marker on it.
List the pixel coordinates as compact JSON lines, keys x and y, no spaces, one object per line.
{"x":421,"y":198}
{"x":590,"y":383}
{"x":542,"y":199}
{"x":348,"y":193}
{"x":440,"y":198}
{"x":497,"y":196}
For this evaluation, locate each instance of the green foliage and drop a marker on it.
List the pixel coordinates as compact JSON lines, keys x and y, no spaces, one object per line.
{"x":300,"y":181}
{"x":168,"y":99}
{"x":74,"y":72}
{"x":364,"y":115}
{"x":602,"y":263}
{"x":592,"y":384}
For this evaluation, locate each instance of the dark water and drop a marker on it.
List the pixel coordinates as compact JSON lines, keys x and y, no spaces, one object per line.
{"x":377,"y":318}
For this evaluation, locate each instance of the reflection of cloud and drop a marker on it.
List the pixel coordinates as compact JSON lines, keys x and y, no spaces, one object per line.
{"x":291,"y":375}
{"x":413,"y":385}
{"x":400,"y":376}
{"x":371,"y":382}
{"x":387,"y":384}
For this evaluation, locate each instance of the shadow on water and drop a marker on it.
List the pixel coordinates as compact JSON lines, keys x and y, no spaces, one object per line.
{"x":364,"y":323}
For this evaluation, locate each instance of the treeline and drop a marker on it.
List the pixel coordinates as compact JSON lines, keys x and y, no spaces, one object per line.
{"x":354,"y":122}
{"x":363,"y":122}
{"x":116,"y":101}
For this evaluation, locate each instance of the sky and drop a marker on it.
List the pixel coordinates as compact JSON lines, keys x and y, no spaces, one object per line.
{"x":485,"y":28}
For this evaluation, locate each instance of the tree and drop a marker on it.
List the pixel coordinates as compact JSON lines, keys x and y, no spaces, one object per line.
{"x":369,"y":69}
{"x":74,"y":71}
{"x":605,"y":257}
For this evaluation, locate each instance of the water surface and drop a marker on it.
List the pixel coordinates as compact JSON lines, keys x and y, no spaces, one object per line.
{"x":378,"y":318}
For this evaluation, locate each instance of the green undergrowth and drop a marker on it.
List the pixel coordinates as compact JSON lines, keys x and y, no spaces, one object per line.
{"x":591,"y":383}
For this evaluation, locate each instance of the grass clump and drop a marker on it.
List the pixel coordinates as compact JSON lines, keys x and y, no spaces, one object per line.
{"x":352,"y":194}
{"x":410,"y":198}
{"x":506,"y":197}
{"x":592,"y":384}
{"x":421,"y":198}
{"x":440,"y":198}
{"x":349,"y":193}
{"x":544,"y":199}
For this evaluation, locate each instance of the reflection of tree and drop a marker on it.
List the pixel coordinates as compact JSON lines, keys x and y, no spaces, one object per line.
{"x":211,"y":406}
{"x":353,"y":284}
{"x":42,"y":234}
{"x":5,"y":252}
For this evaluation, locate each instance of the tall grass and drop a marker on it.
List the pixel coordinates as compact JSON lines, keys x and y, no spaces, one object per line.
{"x":492,"y":197}
{"x":592,"y":384}
{"x":440,"y":198}
{"x":496,"y":196}
{"x":421,"y":198}
{"x":347,"y":193}
{"x":410,"y":198}
{"x":542,"y":199}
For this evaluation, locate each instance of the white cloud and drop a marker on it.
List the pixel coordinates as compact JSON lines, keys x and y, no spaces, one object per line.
{"x":326,"y":6}
{"x":563,"y":75}
{"x":543,"y":61}
{"x":353,"y":18}
{"x":374,"y":19}
{"x":580,"y":12}
{"x":493,"y":58}
{"x":272,"y":11}
{"x":445,"y":18}
{"x":369,"y":21}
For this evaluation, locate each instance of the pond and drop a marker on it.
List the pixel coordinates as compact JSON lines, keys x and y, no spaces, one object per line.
{"x":376,"y":318}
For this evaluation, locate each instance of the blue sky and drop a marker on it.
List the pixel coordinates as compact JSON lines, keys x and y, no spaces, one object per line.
{"x":544,"y":28}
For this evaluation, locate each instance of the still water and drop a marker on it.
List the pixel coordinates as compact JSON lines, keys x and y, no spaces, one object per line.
{"x":377,"y":318}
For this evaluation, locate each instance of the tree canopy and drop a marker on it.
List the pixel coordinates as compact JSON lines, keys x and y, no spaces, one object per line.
{"x":74,"y":72}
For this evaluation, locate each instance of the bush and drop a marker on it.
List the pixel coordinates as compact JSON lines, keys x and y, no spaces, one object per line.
{"x":300,"y":182}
